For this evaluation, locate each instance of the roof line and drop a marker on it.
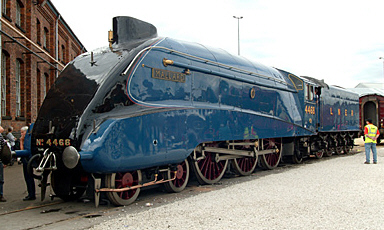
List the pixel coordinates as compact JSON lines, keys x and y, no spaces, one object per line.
{"x":56,"y":12}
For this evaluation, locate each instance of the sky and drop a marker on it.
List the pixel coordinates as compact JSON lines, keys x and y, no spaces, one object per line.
{"x":338,"y":41}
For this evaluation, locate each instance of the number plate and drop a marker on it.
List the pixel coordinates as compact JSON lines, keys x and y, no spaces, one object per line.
{"x":53,"y":142}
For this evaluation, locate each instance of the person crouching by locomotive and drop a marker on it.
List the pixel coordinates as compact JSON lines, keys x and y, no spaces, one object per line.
{"x":29,"y":181}
{"x":371,"y":132}
{"x":2,"y":166}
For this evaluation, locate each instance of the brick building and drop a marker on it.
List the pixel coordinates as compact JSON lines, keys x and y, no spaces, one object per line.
{"x":36,"y":44}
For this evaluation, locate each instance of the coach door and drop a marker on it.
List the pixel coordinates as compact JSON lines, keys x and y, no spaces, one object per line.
{"x":311,"y":107}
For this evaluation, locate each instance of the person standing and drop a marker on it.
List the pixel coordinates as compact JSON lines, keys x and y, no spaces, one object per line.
{"x":10,"y":138}
{"x":2,"y":166}
{"x":29,"y":181}
{"x":371,"y":133}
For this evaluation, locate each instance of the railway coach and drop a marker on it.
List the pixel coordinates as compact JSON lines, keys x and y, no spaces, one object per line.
{"x":371,"y":102}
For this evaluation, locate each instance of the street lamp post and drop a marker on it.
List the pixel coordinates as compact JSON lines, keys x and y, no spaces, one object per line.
{"x":238,"y":33}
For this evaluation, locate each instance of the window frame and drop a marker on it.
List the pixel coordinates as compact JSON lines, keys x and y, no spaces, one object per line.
{"x":309,"y":92}
{"x":4,"y":8}
{"x":3,"y":84}
{"x":18,"y":78}
{"x":38,"y":31}
{"x":45,"y":84}
{"x":45,"y":38}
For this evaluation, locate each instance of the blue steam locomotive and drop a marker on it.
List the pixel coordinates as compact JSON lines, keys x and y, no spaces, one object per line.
{"x":148,"y":110}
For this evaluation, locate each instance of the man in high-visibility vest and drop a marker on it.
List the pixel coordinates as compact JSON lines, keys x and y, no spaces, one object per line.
{"x":371,"y":133}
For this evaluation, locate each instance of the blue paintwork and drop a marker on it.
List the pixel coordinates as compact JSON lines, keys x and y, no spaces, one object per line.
{"x":170,"y":136}
{"x":335,"y":100}
{"x":179,"y":116}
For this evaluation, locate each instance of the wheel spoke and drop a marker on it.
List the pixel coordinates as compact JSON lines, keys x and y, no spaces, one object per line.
{"x":207,"y":170}
{"x":181,"y":180}
{"x":244,"y":166}
{"x":319,"y":154}
{"x":123,"y":180}
{"x":271,"y":160}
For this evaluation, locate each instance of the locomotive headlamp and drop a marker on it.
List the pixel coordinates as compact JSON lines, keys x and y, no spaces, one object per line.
{"x":70,"y":157}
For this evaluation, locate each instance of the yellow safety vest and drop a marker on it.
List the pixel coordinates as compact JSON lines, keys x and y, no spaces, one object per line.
{"x":372,"y":131}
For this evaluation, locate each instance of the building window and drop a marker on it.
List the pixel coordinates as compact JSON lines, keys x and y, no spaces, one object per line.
{"x":19,"y":82}
{"x":19,"y":14}
{"x":38,"y":79}
{"x":38,"y":31}
{"x":5,"y":9}
{"x":62,"y":53}
{"x":3,"y":85}
{"x":45,"y":38}
{"x":45,"y":84}
{"x":4,"y":6}
{"x":18,"y":87}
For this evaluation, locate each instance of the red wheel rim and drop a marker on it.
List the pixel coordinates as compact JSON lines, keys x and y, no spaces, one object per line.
{"x":246,"y":164}
{"x":319,"y":154}
{"x":209,"y":168}
{"x":271,"y":159}
{"x":123,"y":180}
{"x":181,"y":175}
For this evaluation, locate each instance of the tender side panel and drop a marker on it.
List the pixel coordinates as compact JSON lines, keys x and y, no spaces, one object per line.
{"x":339,"y":110}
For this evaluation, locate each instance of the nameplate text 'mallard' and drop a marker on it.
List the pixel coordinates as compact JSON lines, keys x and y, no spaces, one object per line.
{"x":168,"y":75}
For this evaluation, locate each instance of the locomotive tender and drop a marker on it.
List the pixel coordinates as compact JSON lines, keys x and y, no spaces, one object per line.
{"x":148,"y":110}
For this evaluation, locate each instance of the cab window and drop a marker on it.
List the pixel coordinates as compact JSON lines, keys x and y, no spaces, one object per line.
{"x":309,"y":92}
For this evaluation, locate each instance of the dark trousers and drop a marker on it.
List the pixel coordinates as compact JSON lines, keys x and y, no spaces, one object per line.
{"x":29,"y":181}
{"x":1,"y":178}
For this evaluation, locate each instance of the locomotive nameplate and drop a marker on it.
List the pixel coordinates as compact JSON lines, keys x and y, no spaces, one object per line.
{"x":168,"y":75}
{"x":53,"y":142}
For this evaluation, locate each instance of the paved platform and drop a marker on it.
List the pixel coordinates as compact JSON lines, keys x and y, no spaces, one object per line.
{"x":15,"y":190}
